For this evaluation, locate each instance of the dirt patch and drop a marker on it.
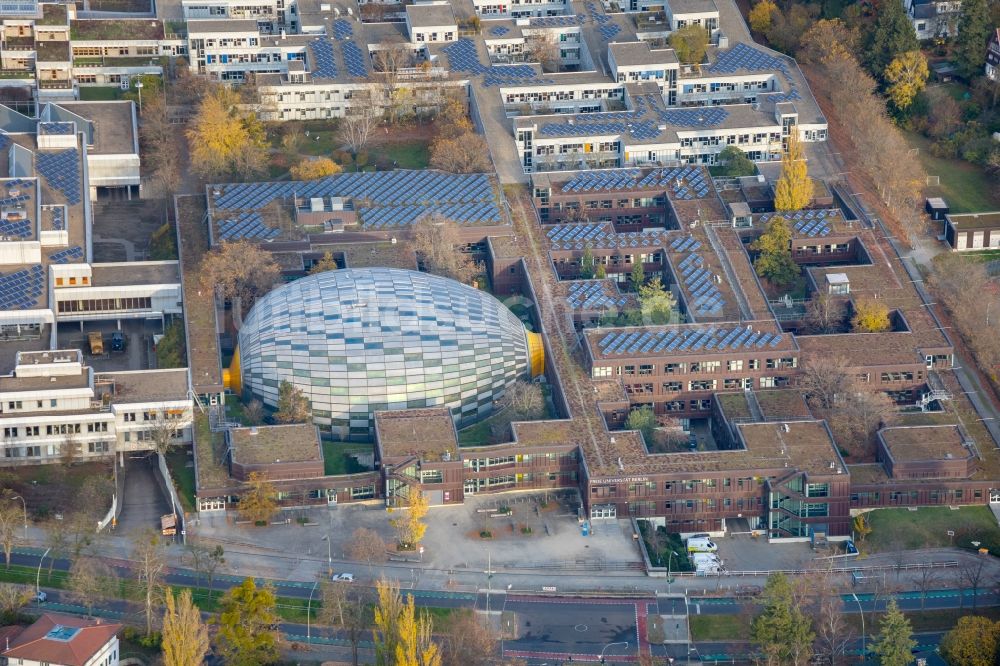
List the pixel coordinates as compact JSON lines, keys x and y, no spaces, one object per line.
{"x":59,"y":489}
{"x":107,"y":252}
{"x":131,"y":221}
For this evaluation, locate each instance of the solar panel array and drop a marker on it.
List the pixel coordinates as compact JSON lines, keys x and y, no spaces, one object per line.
{"x":679,"y":340}
{"x":746,"y":57}
{"x":478,"y":212}
{"x":609,"y":30}
{"x":68,"y":255}
{"x":62,"y":171}
{"x":589,"y":294}
{"x":246,"y":225}
{"x":710,"y":116}
{"x":15,"y":228}
{"x":685,"y":244}
{"x":603,"y":236}
{"x":811,"y":223}
{"x":463,"y":57}
{"x":616,"y":179}
{"x":558,"y":21}
{"x":499,"y":31}
{"x":56,"y":127}
{"x":324,"y":64}
{"x":704,"y":297}
{"x":354,"y":59}
{"x":20,"y":290}
{"x":383,"y":188}
{"x":58,"y":217}
{"x":688,"y":182}
{"x":342,"y":29}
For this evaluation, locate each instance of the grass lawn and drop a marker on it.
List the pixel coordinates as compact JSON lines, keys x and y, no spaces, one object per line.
{"x":965,"y":186}
{"x":720,"y":627}
{"x":183,"y":475}
{"x":337,"y":457}
{"x":99,"y":93}
{"x":893,"y":529}
{"x":405,"y":155}
{"x":982,"y":255}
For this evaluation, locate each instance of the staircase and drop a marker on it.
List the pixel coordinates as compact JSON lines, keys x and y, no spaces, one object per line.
{"x":755,"y":411}
{"x":936,"y":391}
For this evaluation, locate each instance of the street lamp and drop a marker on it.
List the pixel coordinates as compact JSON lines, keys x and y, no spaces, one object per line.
{"x":138,"y":86}
{"x":38,"y":574}
{"x":309,"y":614}
{"x":862,"y":611}
{"x":329,"y":556}
{"x":625,"y":643}
{"x":670,"y":560}
{"x":24,"y":507}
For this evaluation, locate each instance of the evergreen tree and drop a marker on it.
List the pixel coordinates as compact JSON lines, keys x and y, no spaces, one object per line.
{"x":781,"y":631}
{"x":587,"y":264}
{"x":638,"y":274}
{"x":973,"y":33}
{"x":657,"y":303}
{"x":891,"y":35}
{"x":894,"y":643}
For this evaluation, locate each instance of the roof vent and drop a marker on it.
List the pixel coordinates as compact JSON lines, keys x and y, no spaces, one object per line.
{"x":784,"y":426}
{"x":621,"y":467}
{"x":253,"y":430}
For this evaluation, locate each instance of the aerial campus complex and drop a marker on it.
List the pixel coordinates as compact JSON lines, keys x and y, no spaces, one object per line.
{"x":601,"y":155}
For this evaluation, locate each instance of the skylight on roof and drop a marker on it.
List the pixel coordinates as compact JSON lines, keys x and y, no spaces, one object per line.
{"x":61,"y":633}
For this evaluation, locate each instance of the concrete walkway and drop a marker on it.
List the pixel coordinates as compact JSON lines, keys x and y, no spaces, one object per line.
{"x":143,"y":501}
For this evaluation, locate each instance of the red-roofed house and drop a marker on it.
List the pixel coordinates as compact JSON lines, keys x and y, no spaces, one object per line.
{"x":64,"y":640}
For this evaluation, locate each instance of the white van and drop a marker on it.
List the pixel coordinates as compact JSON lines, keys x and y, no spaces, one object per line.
{"x":699,"y":559}
{"x":702,"y":545}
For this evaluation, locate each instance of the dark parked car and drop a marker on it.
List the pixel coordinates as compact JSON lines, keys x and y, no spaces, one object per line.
{"x":117,"y":342}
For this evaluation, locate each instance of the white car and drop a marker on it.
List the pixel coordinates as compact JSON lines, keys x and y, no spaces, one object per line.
{"x":41,"y":597}
{"x":344,"y":577}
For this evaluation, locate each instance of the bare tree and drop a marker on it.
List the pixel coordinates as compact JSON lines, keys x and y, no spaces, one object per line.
{"x":833,"y":632}
{"x":524,"y":400}
{"x":542,"y":47}
{"x":824,"y":379}
{"x":254,"y":412}
{"x":367,"y":545}
{"x":149,"y":554}
{"x":11,"y":525}
{"x":239,"y":271}
{"x":437,"y":242}
{"x":205,"y":560}
{"x":925,"y":581}
{"x":971,"y":575}
{"x":471,"y":640}
{"x":335,"y":595}
{"x":165,"y":427}
{"x":825,"y":314}
{"x":13,"y":598}
{"x":387,"y":60}
{"x":91,"y":580}
{"x":360,"y":121}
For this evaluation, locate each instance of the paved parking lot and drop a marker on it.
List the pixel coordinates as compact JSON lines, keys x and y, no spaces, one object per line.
{"x":138,"y":353}
{"x":742,"y":552}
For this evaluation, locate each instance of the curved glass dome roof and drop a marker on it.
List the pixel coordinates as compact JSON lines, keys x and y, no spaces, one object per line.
{"x":361,"y":340}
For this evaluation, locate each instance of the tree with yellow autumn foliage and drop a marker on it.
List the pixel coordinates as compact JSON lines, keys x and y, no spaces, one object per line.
{"x":185,"y":636}
{"x":401,"y":637}
{"x":225,"y":140}
{"x":410,"y":527}
{"x":870,"y":316}
{"x":794,"y":189}
{"x":906,"y":75}
{"x":314,"y":168}
{"x":762,"y":15}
